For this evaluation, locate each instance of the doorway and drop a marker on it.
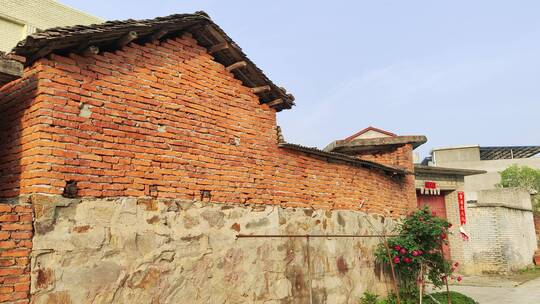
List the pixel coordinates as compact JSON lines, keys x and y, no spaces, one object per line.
{"x":436,"y":204}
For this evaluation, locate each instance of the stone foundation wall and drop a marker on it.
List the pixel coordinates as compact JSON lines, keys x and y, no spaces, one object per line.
{"x":129,"y":250}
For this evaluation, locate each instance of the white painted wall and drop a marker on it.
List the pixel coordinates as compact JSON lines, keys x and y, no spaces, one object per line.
{"x":19,"y":18}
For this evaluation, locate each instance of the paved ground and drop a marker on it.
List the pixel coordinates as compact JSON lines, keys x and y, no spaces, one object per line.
{"x":501,"y":292}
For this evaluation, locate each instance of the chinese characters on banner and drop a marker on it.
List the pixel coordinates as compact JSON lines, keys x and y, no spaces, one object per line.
{"x":461,"y":204}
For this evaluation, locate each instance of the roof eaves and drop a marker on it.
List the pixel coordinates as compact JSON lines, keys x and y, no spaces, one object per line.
{"x":105,"y":36}
{"x":423,"y":169}
{"x":367,"y":144}
{"x":10,"y":68}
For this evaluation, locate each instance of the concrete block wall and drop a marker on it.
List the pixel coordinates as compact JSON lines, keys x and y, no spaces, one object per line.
{"x":502,"y":231}
{"x":536,"y":218}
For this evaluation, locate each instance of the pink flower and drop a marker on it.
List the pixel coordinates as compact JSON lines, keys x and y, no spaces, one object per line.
{"x":459,"y":278}
{"x":456,"y":264}
{"x":397,"y":248}
{"x":420,"y":252}
{"x":443,"y":236}
{"x":407,"y":260}
{"x":415,"y":253}
{"x":396,"y":260}
{"x":403,"y":251}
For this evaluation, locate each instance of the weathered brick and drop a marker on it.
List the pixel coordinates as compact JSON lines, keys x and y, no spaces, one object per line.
{"x":9,"y":218}
{"x":10,"y":271}
{"x":5,"y":208}
{"x":22,"y":227}
{"x":7,"y":244}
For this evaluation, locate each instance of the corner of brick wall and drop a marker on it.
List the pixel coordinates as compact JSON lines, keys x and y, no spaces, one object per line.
{"x":16,"y":232}
{"x":536,"y":217}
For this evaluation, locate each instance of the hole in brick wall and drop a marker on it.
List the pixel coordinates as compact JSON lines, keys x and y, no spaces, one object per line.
{"x":206,"y":195}
{"x":235,"y":141}
{"x":85,"y":110}
{"x":153,"y":190}
{"x":70,"y":190}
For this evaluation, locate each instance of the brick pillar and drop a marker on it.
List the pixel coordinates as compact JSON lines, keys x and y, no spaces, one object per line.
{"x":15,"y":246}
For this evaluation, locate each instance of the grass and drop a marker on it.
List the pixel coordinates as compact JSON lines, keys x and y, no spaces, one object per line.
{"x":525,"y":275}
{"x":457,"y":298}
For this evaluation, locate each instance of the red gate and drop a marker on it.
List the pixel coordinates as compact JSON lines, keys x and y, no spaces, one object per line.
{"x":438,"y":207}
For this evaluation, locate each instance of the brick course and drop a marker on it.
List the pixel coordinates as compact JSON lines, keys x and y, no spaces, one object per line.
{"x":15,"y":248}
{"x":165,"y":120}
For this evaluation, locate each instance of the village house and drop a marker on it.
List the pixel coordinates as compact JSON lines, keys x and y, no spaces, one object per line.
{"x":492,"y":233}
{"x":134,"y":153}
{"x":504,"y":215}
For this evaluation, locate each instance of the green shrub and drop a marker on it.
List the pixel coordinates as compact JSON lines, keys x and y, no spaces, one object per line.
{"x":523,"y":177}
{"x":415,"y":251}
{"x":369,"y":298}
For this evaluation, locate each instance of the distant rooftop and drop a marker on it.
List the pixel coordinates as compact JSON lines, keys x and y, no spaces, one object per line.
{"x":491,"y":153}
{"x":476,"y":152}
{"x":373,"y":139}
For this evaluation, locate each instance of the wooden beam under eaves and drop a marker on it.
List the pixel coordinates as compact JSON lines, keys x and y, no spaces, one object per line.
{"x":218,"y":47}
{"x":91,"y":50}
{"x":127,"y":38}
{"x":275,"y":102}
{"x":158,"y":34}
{"x":237,"y":65}
{"x":10,"y":70}
{"x":260,"y":89}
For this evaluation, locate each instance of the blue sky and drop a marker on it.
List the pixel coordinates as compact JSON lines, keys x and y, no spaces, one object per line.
{"x":459,"y":72}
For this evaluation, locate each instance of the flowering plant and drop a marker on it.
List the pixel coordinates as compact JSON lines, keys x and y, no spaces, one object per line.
{"x":416,"y":251}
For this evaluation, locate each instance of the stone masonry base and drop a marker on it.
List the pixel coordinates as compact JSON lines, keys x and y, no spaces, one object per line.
{"x":129,"y":250}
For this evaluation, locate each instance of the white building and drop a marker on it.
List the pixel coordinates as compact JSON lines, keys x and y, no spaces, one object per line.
{"x":20,"y":18}
{"x":491,"y":159}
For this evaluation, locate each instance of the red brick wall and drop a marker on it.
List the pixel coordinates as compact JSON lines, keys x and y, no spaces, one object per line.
{"x":15,"y":247}
{"x":166,"y":120}
{"x":18,"y":132}
{"x":398,"y":157}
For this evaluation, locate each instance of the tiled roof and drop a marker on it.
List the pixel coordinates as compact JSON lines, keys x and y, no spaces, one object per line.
{"x":106,"y":37}
{"x":10,"y":68}
{"x":345,"y":158}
